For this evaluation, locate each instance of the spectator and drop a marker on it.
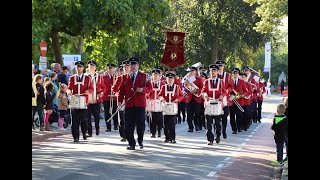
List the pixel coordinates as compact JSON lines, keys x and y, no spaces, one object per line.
{"x":280,"y":128}
{"x":282,"y":86}
{"x":268,"y":88}
{"x":50,"y":95}
{"x":62,"y":77}
{"x":63,"y":104}
{"x":286,"y":140}
{"x":41,"y":101}
{"x":68,"y":74}
{"x":45,"y":73}
{"x":53,"y":78}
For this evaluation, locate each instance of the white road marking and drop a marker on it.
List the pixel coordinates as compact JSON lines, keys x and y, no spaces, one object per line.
{"x":211,"y":174}
{"x":220,"y":165}
{"x":247,"y":139}
{"x":252,"y":132}
{"x":227,"y":158}
{"x":250,"y":135}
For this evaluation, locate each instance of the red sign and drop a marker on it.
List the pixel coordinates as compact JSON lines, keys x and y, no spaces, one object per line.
{"x":43,"y":48}
{"x":173,"y":55}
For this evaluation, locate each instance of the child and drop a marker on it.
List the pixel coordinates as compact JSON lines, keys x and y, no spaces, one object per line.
{"x":62,"y":104}
{"x":280,"y":128}
{"x":40,"y":99}
{"x":50,"y":95}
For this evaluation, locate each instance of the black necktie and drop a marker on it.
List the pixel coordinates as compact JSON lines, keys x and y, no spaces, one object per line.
{"x":213,"y":82}
{"x":132,"y":78}
{"x":235,"y":83}
{"x":155,"y":85}
{"x":78,"y":78}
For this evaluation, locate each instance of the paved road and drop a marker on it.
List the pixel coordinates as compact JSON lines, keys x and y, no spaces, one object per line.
{"x":242,"y":156}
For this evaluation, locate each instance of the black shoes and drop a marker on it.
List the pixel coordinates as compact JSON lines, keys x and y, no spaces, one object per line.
{"x":89,"y":135}
{"x":234,"y":132}
{"x":123,"y":139}
{"x":166,"y":141}
{"x":131,"y":148}
{"x":97,"y":132}
{"x":159,"y":134}
{"x":116,"y":128}
{"x":210,"y":143}
{"x":153,"y":136}
{"x":173,"y":141}
{"x":190,"y":130}
{"x":141,"y":145}
{"x":218,"y":139}
{"x":197,"y":128}
{"x":84,"y":136}
{"x":108,"y":130}
{"x":224,"y":134}
{"x":76,"y":140}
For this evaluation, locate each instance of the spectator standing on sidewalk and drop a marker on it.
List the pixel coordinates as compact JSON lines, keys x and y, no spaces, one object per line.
{"x":280,"y":128}
{"x":41,"y":101}
{"x":63,"y":103}
{"x":62,"y":77}
{"x":50,"y":95}
{"x":282,"y":86}
{"x":53,"y":78}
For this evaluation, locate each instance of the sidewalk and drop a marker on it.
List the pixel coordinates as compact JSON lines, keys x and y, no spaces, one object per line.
{"x":43,"y":135}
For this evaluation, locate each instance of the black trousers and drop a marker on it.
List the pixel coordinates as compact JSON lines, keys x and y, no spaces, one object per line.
{"x":122,"y":125}
{"x":193,"y":114}
{"x":259,"y":109}
{"x":93,"y":109}
{"x":169,"y":127}
{"x":156,"y":122}
{"x":107,"y":115}
{"x":254,"y":110}
{"x":134,"y":117}
{"x":246,"y":117}
{"x":181,"y":109}
{"x":217,"y":127}
{"x":202,"y":117}
{"x":79,"y":116}
{"x":236,"y":118}
{"x":224,"y":119}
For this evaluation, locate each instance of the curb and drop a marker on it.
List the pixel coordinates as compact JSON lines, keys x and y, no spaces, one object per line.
{"x":41,"y":137}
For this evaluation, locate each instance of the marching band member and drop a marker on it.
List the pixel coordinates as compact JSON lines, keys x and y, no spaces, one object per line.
{"x":247,"y":103}
{"x":227,"y":79}
{"x":213,"y":88}
{"x":115,"y":88}
{"x":79,"y":84}
{"x":95,"y":98}
{"x":194,"y":101}
{"x":133,"y":89}
{"x":202,"y":116}
{"x":162,"y":77}
{"x":255,"y":87}
{"x":170,"y":92}
{"x":239,"y":88}
{"x":157,"y":117}
{"x":203,"y":69}
{"x":109,"y":99}
{"x":262,"y":90}
{"x":182,"y":104}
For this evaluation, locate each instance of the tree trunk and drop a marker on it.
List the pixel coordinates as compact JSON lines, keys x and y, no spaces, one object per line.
{"x":56,"y":46}
{"x":79,"y":45}
{"x":215,"y":42}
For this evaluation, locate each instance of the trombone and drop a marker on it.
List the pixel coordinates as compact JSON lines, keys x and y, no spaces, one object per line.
{"x":234,"y":99}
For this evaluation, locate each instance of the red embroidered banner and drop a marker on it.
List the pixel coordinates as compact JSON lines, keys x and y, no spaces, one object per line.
{"x":173,"y":55}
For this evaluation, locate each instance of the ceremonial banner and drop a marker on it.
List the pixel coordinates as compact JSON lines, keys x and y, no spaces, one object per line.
{"x":173,"y":55}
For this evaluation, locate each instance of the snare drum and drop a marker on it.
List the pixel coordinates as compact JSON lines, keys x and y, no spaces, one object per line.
{"x":213,"y":108}
{"x":170,"y":109}
{"x":154,"y":105}
{"x":78,"y":102}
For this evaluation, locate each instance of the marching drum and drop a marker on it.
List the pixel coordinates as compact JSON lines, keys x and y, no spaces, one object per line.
{"x":170,"y":109}
{"x":154,"y":105}
{"x":78,"y":102}
{"x":213,"y":108}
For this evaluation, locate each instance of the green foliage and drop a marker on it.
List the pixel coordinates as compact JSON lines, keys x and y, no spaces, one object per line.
{"x":271,"y":13}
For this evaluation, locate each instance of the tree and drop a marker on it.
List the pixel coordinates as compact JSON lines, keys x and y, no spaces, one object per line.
{"x":87,"y":18}
{"x":271,"y":13}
